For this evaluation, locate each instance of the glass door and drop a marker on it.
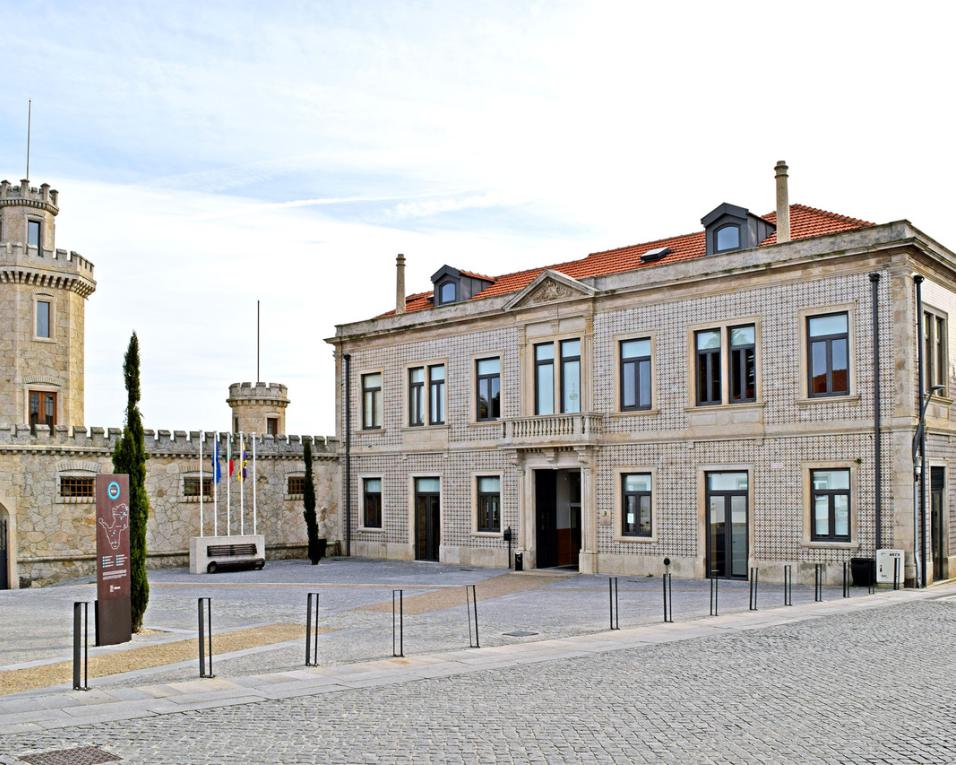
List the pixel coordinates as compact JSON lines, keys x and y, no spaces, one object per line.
{"x":727,"y":525}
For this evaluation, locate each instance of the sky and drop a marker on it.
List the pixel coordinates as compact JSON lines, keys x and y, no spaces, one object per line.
{"x":209,"y":155}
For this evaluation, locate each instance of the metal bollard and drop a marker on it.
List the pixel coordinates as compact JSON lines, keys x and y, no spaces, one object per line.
{"x":817,"y":582}
{"x":846,"y":582}
{"x":311,"y":638}
{"x":469,"y":606}
{"x":614,"y":605}
{"x":401,"y":625}
{"x":787,"y":585}
{"x":713,"y":593}
{"x":896,"y":573}
{"x":81,"y":669}
{"x":205,"y":637}
{"x":754,"y":581}
{"x":668,"y":599}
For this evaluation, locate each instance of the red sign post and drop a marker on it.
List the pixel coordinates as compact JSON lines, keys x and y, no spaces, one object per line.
{"x":113,"y":612}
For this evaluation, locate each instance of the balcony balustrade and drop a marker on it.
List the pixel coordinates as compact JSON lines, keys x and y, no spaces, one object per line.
{"x":553,"y":429}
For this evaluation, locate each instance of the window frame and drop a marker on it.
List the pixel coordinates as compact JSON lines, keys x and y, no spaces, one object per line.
{"x":733,"y":368}
{"x":441,"y":288}
{"x":831,"y":536}
{"x":381,"y":401}
{"x":288,"y":485}
{"x":625,"y":494}
{"x":828,"y":340}
{"x":272,"y":431}
{"x":479,"y":511}
{"x":364,"y":493}
{"x":554,"y":377}
{"x":557,"y":365}
{"x":562,"y":361}
{"x":31,"y":222}
{"x":416,"y":397}
{"x":936,"y":350}
{"x":46,"y":300}
{"x":201,"y":485}
{"x":42,"y":393}
{"x":73,"y":496}
{"x":482,"y":378}
{"x":622,"y":374}
{"x":716,"y":234}
{"x":617,"y":508}
{"x":710,"y":353}
{"x":437,"y":390}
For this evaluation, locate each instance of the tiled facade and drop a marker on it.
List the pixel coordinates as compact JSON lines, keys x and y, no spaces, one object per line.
{"x":778,"y":439}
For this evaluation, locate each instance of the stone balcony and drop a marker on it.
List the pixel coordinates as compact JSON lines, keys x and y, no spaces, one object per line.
{"x":553,"y":430}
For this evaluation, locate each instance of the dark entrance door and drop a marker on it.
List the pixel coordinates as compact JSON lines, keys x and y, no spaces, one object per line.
{"x":557,"y":502}
{"x":427,"y":518}
{"x":937,"y":504}
{"x":727,"y":525}
{"x":4,"y":583}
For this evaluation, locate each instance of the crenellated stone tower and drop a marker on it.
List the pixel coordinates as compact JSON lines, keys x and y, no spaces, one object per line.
{"x":43,"y":294}
{"x":258,"y":407}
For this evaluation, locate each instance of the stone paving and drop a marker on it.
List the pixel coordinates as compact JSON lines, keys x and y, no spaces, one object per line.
{"x":862,"y":680}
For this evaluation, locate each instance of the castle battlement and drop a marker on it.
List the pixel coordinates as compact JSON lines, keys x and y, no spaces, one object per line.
{"x":260,"y":391}
{"x":176,"y":443}
{"x":58,"y":269}
{"x":42,"y":197}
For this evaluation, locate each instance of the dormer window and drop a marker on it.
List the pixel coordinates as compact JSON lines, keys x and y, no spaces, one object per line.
{"x":727,"y":238}
{"x":447,"y":293}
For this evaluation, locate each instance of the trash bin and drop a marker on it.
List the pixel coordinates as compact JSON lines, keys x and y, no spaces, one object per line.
{"x":863,"y":571}
{"x":519,"y":561}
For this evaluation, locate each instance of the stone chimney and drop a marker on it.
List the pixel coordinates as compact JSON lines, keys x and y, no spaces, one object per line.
{"x":783,"y":203}
{"x":400,"y":284}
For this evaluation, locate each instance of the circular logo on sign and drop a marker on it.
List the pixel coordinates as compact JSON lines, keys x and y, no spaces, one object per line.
{"x":113,"y":490}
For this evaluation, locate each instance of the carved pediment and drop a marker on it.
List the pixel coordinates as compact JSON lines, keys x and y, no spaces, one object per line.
{"x":549,"y":287}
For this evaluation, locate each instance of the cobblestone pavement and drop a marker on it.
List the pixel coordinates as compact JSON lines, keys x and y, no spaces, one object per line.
{"x":865,"y":687}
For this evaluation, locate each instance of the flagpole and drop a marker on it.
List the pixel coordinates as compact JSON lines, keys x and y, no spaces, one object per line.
{"x":202,"y":488}
{"x":229,"y":485}
{"x":242,"y":488}
{"x":215,"y":488}
{"x":253,"y":483}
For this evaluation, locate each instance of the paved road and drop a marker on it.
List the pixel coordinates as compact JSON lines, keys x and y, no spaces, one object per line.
{"x":870,"y":687}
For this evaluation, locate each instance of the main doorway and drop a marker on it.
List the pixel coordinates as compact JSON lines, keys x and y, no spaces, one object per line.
{"x":557,"y":503}
{"x":937,"y":505}
{"x":427,"y":518}
{"x":727,"y":524}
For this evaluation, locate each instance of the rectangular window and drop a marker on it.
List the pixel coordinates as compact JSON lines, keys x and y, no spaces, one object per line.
{"x":707,"y":343}
{"x":77,"y":486}
{"x":743,"y":369}
{"x":191,"y":486}
{"x":372,"y":503}
{"x":636,"y":500}
{"x":436,"y":394}
{"x":635,"y":374}
{"x":416,"y":396}
{"x":489,"y":388}
{"x":828,"y":355}
{"x":43,"y":318}
{"x":42,"y":408}
{"x":489,"y":504}
{"x":937,"y":369}
{"x":272,"y":426}
{"x":33,"y":233}
{"x":295,"y":484}
{"x":830,"y":505}
{"x":372,"y":400}
{"x":570,"y":376}
{"x":544,"y":378}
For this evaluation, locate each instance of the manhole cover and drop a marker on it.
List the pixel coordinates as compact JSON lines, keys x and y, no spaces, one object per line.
{"x":84,"y":755}
{"x":520,"y":633}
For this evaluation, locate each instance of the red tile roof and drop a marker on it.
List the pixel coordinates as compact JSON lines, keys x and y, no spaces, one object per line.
{"x":805,"y":222}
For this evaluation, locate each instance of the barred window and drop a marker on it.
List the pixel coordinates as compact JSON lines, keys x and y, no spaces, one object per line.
{"x":77,"y":486}
{"x":191,"y":486}
{"x":296,"y":484}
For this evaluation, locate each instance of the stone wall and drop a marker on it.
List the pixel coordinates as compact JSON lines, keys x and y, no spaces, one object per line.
{"x":53,"y":536}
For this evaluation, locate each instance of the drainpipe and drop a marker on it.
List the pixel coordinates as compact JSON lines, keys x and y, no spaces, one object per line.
{"x":877,"y":451}
{"x":348,"y":454}
{"x":919,"y":446}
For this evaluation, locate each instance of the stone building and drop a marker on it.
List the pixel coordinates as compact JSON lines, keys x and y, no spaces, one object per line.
{"x":49,"y":458}
{"x":742,"y":396}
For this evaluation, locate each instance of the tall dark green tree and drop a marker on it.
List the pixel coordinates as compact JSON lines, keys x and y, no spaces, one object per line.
{"x":130,"y":457}
{"x":308,"y":500}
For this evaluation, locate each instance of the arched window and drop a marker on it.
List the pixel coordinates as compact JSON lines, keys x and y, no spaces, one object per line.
{"x":448,"y":293}
{"x":727,"y":238}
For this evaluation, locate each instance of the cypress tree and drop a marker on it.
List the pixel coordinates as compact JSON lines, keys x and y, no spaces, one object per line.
{"x":130,"y":457}
{"x":308,"y":500}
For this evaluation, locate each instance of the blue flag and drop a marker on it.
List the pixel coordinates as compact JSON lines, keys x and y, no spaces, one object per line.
{"x":216,"y":468}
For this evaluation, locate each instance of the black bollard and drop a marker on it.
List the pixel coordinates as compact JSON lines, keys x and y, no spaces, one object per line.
{"x":81,"y":659}
{"x":713,"y":593}
{"x":668,"y":601}
{"x":787,"y":585}
{"x":614,"y":606}
{"x":311,"y":631}
{"x":401,"y":625}
{"x":817,"y":582}
{"x":472,"y":595}
{"x":205,"y":637}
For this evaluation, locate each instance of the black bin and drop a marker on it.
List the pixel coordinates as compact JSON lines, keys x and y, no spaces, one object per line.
{"x":519,"y":561}
{"x":863,"y":571}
